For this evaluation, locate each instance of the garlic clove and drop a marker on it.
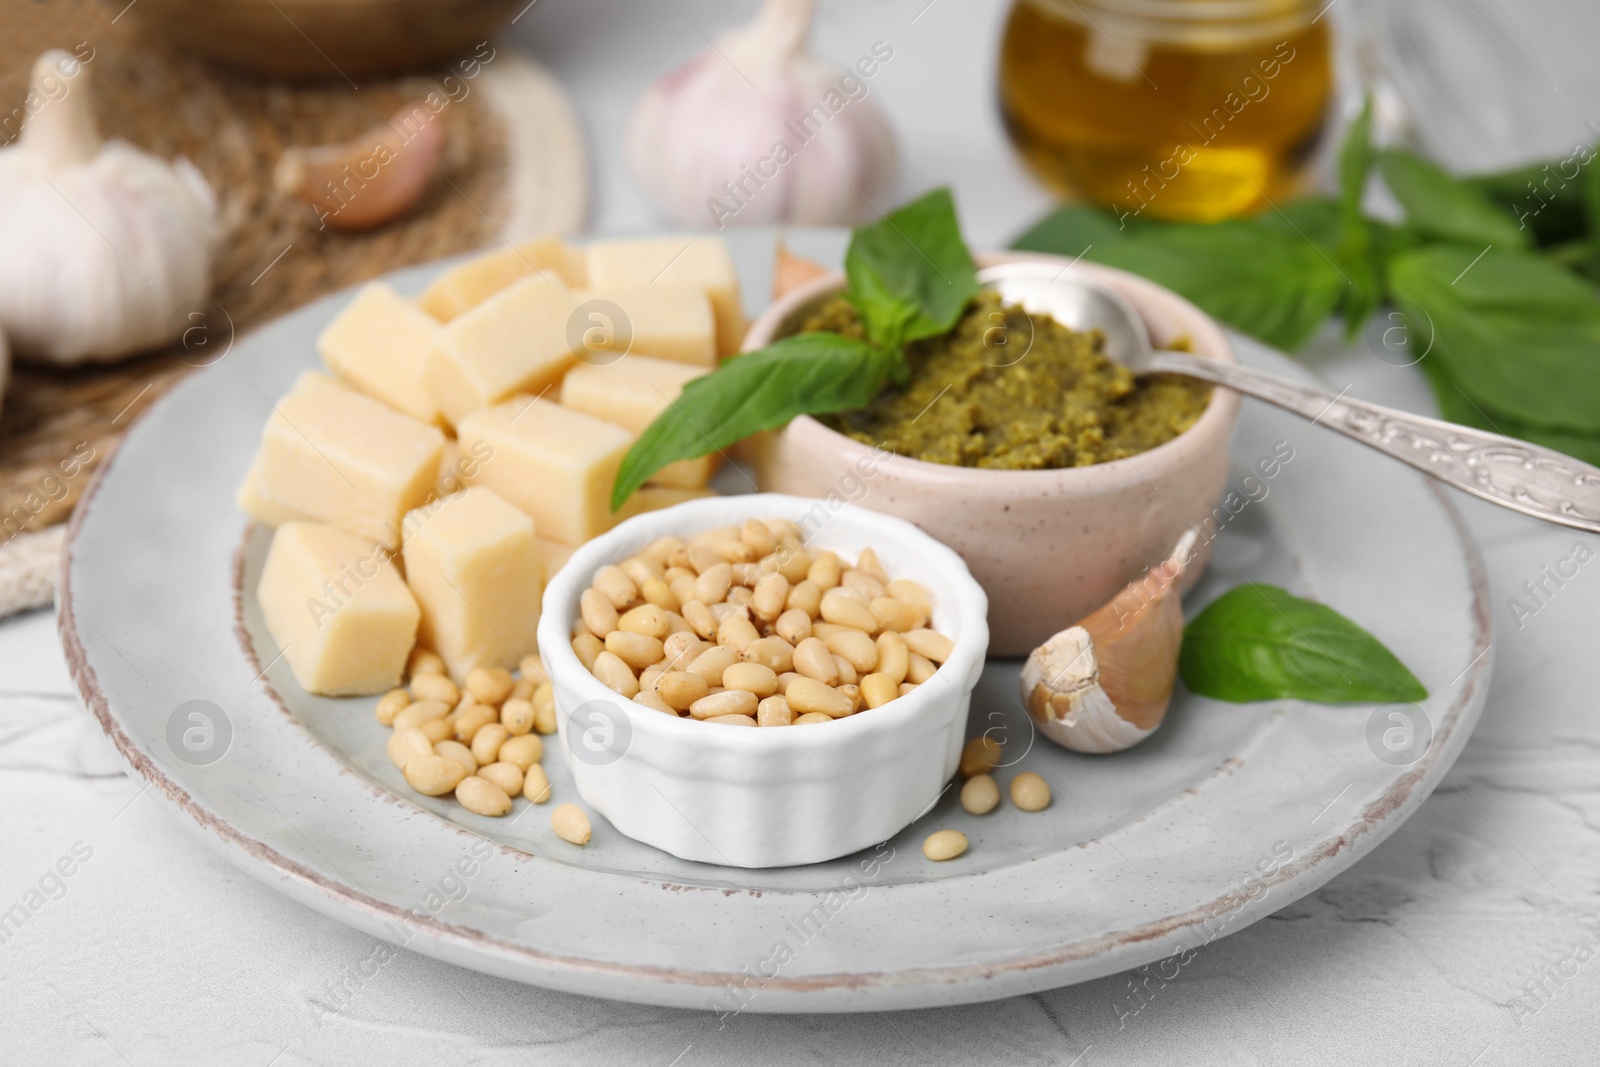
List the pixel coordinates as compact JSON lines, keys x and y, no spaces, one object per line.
{"x":371,"y":179}
{"x":755,"y":131}
{"x":790,"y":272}
{"x":1105,"y":684}
{"x":102,"y":245}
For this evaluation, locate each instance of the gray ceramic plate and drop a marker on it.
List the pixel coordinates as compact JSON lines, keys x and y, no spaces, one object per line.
{"x":1227,"y":814}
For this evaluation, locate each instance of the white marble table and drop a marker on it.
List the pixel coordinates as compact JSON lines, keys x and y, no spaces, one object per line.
{"x":153,"y":951}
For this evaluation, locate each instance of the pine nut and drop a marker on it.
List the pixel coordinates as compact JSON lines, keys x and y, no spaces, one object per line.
{"x":661,"y":548}
{"x":878,"y":689}
{"x":616,"y":586}
{"x":523,"y":690}
{"x":407,"y":745}
{"x":615,"y":675}
{"x":794,"y":562}
{"x":812,"y":717}
{"x":756,"y":534}
{"x":908,"y":592}
{"x":746,"y":575}
{"x":784,"y":679}
{"x":980,"y":794}
{"x":845,"y":669}
{"x":657,"y":592}
{"x":680,"y":689}
{"x":737,"y":632}
{"x":930,"y":644}
{"x":490,"y":685}
{"x":682,"y":586}
{"x":570,"y":824}
{"x":773,"y":652}
{"x":436,"y":730}
{"x":679,"y":650}
{"x":793,"y":626}
{"x":642,"y":569}
{"x":482,"y":796}
{"x":727,"y":702}
{"x":868,"y":561}
{"x":517,"y":716}
{"x":862,"y":584}
{"x":677,"y":624}
{"x":771,"y":594}
{"x":704,"y":558}
{"x":1030,"y":792}
{"x":648,"y":679}
{"x":711,"y":663}
{"x":508,"y":776}
{"x":825,"y":571}
{"x":597,"y":612}
{"x":713,"y":584}
{"x":393,"y":702}
{"x":536,"y":784}
{"x":847,"y":609}
{"x":774,"y":711}
{"x":654,"y":702}
{"x":422,"y":661}
{"x":733,"y":720}
{"x":434,"y":687}
{"x":812,"y":659}
{"x":806,"y":596}
{"x":806,"y":695}
{"x":645,"y":619}
{"x":700,"y":618}
{"x":907,"y":687}
{"x":852,"y":693}
{"x":472,"y":719}
{"x":898,"y":615}
{"x":420,"y":712}
{"x":751,"y":677}
{"x":919,"y":668}
{"x":637,"y":650}
{"x":524,"y":751}
{"x":980,"y":755}
{"x":487,"y":741}
{"x":434,"y":776}
{"x":944,"y":845}
{"x":455,"y":750}
{"x":894,"y":658}
{"x":859,"y":650}
{"x":544,"y":709}
{"x":586,"y":647}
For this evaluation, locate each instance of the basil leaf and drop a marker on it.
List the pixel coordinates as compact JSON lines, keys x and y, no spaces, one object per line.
{"x":1456,"y":406}
{"x":1512,"y":330}
{"x":910,"y":273}
{"x":1355,"y":162}
{"x":804,"y":374}
{"x":1542,"y":197}
{"x":1444,"y":207}
{"x":1260,"y":642}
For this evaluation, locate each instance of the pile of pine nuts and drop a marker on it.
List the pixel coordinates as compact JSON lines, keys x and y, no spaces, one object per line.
{"x":980,"y":794}
{"x":745,"y":626}
{"x":481,"y":741}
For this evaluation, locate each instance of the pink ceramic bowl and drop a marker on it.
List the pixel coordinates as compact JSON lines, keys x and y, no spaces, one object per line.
{"x":1048,"y":547}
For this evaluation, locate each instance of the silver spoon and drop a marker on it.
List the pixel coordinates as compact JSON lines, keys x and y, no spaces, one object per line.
{"x":1536,"y":481}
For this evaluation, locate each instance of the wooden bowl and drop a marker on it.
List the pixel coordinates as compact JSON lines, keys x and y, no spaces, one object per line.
{"x":317,"y":40}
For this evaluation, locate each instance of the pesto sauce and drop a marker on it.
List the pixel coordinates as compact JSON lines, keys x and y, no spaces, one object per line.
{"x":1011,"y":391}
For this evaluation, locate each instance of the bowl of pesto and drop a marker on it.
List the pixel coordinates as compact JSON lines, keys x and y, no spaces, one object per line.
{"x":1056,"y":474}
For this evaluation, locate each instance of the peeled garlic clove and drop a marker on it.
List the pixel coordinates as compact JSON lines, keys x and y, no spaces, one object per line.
{"x":1104,"y":685}
{"x":101,"y":244}
{"x":371,"y":179}
{"x":755,"y":131}
{"x":790,"y":272}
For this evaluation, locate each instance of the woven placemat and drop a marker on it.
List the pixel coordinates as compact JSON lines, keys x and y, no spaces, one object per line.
{"x":514,"y":169}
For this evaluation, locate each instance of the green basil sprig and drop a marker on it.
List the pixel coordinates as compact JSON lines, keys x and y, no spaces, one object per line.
{"x":1260,"y":642}
{"x":910,"y":276}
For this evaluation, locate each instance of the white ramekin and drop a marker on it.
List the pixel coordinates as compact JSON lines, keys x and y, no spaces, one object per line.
{"x":767,"y":797}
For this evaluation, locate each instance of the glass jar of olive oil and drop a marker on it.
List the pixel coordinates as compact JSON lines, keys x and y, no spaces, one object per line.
{"x":1176,"y":109}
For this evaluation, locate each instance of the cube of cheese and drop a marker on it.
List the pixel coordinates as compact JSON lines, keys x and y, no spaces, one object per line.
{"x":702,"y":262}
{"x":377,"y":344}
{"x":260,"y":507}
{"x":336,"y":456}
{"x":469,"y":284}
{"x":631,"y":392}
{"x":554,"y":463}
{"x":338,"y":609}
{"x":665,"y":320}
{"x":554,"y":555}
{"x":474,"y":565}
{"x":514,"y":342}
{"x":654,"y":498}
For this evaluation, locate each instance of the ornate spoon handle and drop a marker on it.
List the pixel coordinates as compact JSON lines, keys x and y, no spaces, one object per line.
{"x":1536,"y":481}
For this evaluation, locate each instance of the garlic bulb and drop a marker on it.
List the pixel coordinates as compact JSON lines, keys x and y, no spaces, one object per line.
{"x":790,"y":272}
{"x":101,"y":244}
{"x":370,"y":179}
{"x":1104,"y":685}
{"x":755,"y":130}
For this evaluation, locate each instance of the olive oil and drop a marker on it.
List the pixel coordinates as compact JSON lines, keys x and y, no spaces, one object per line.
{"x":1174,"y":109}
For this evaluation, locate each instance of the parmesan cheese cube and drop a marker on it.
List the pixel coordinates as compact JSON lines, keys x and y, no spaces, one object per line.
{"x":338,"y":609}
{"x":514,"y":342}
{"x":260,"y":507}
{"x":669,"y":321}
{"x":336,"y":456}
{"x":631,"y":392}
{"x":702,"y":262}
{"x":554,"y":555}
{"x":474,"y":565}
{"x":469,"y":284}
{"x":554,"y":463}
{"x":377,"y":344}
